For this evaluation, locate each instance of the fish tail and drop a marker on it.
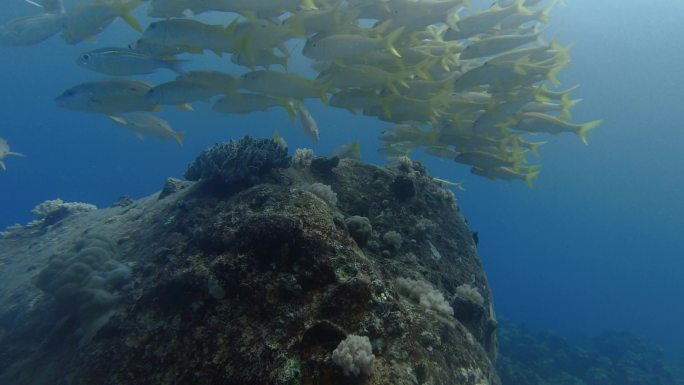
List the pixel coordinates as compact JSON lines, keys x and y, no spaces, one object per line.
{"x":521,"y":9}
{"x":543,"y":14}
{"x":179,"y":137}
{"x":567,"y":105}
{"x":422,"y":69}
{"x":125,"y":9}
{"x":453,"y":18}
{"x":584,"y":128}
{"x":292,"y":107}
{"x":530,"y":177}
{"x":552,"y":75}
{"x":565,"y":100}
{"x":534,"y":147}
{"x":386,"y":111}
{"x":390,"y":39}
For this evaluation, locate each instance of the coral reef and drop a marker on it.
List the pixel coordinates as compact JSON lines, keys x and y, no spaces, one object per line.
{"x":240,"y":162}
{"x":611,"y":358}
{"x":52,"y":211}
{"x":257,"y":286}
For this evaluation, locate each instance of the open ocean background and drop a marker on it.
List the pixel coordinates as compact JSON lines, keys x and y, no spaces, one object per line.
{"x":597,"y":244}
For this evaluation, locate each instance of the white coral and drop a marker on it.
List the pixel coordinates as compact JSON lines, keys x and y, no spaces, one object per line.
{"x":426,"y":295}
{"x":302,"y":157}
{"x":324,"y":192}
{"x":470,"y":293}
{"x":354,"y":355}
{"x":57,"y":209}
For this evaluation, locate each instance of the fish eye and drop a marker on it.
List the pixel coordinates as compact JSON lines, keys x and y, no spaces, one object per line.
{"x":85,"y":57}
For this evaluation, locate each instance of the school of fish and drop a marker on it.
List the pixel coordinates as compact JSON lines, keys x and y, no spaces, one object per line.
{"x":476,"y":85}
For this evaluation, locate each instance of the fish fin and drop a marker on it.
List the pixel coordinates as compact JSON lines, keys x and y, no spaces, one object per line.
{"x":289,"y":106}
{"x":295,"y":23}
{"x":390,"y":39}
{"x":324,"y":98}
{"x":230,"y":28}
{"x":180,"y":137}
{"x":33,"y":3}
{"x":584,"y":128}
{"x":157,"y":109}
{"x":118,"y":119}
{"x":521,"y":9}
{"x":245,"y":47}
{"x":248,"y":15}
{"x":283,"y":62}
{"x":2,"y":165}
{"x":308,"y":4}
{"x":386,"y":111}
{"x":296,"y":26}
{"x":16,"y":154}
{"x":356,"y":148}
{"x":140,"y":136}
{"x":519,"y":65}
{"x":390,"y":86}
{"x":185,"y":107}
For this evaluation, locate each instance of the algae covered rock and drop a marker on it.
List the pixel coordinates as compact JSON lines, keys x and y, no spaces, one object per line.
{"x":259,"y":286}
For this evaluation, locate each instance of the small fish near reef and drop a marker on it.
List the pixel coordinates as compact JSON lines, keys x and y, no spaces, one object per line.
{"x":5,"y":152}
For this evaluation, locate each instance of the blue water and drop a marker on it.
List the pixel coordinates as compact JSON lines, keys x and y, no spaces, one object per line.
{"x":596,"y":245}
